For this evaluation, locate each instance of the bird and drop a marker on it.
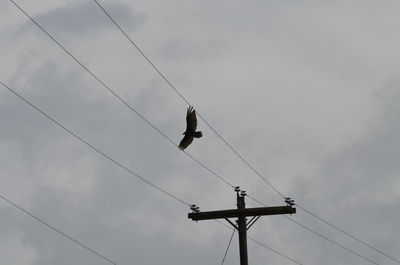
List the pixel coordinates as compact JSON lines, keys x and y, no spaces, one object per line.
{"x":190,"y":133}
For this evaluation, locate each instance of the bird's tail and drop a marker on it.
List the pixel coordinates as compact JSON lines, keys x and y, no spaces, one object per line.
{"x":198,"y":134}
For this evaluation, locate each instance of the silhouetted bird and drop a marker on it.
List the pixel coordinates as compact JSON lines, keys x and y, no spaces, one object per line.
{"x":190,"y":133}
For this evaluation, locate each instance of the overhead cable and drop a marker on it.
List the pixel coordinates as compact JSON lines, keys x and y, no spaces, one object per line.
{"x":40,"y":220}
{"x":163,"y":134}
{"x":97,"y":150}
{"x":227,"y":247}
{"x":261,"y":176}
{"x":320,"y":235}
{"x":347,"y":234}
{"x":183,"y":98}
{"x":107,"y":87}
{"x":264,"y":245}
{"x":104,"y":155}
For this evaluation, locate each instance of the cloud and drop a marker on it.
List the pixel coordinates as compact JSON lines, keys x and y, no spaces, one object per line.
{"x":13,"y":249}
{"x":83,"y":19}
{"x":362,"y":177}
{"x":313,"y":105}
{"x":369,"y":165}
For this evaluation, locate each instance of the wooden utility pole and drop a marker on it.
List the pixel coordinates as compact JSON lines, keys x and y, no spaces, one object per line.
{"x":241,"y":213}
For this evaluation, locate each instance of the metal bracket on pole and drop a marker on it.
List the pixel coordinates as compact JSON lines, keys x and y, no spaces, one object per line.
{"x":252,"y":221}
{"x":229,"y":221}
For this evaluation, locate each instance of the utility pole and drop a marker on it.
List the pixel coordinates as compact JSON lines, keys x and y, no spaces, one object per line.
{"x":241,"y":213}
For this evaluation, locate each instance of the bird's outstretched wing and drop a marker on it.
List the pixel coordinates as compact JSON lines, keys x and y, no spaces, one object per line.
{"x":186,"y":141}
{"x":191,"y":120}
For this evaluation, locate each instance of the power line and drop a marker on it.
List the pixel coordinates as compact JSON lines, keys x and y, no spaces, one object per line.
{"x":227,"y":247}
{"x":40,"y":220}
{"x":336,"y":228}
{"x":111,"y":159}
{"x":229,"y":145}
{"x":158,"y":130}
{"x":332,"y":241}
{"x":347,"y":234}
{"x":244,"y":160}
{"x":104,"y":155}
{"x":264,"y":245}
{"x":180,"y":95}
{"x":107,"y":87}
{"x":320,"y":235}
{"x":118,"y":97}
{"x":183,"y":98}
{"x":273,"y":250}
{"x":141,"y":52}
{"x":95,"y":148}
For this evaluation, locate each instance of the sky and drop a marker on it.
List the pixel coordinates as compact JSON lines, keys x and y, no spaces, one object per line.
{"x":308,"y":92}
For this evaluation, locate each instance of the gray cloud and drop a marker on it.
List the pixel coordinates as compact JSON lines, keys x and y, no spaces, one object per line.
{"x":362,"y":178}
{"x":82,"y":19}
{"x":307,"y":92}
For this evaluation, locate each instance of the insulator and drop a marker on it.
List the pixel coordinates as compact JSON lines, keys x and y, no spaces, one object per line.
{"x":289,"y":201}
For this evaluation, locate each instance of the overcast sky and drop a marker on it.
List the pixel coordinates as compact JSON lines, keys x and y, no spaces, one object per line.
{"x":307,"y":91}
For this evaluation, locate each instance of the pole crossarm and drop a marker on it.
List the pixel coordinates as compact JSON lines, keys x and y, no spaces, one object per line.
{"x":241,"y":213}
{"x":259,"y":211}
